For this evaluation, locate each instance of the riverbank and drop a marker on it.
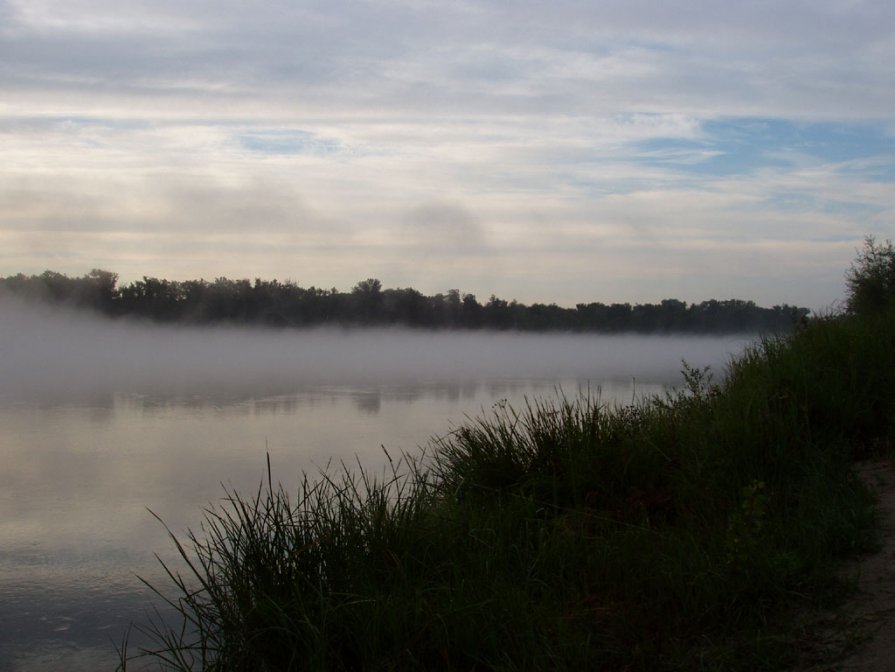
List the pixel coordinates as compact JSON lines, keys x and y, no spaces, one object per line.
{"x":675,"y":534}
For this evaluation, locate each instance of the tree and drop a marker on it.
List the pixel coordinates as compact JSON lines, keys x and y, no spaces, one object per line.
{"x":368,"y":287}
{"x":367,"y":295}
{"x":871,"y":278}
{"x":102,"y":291}
{"x":472,"y":312}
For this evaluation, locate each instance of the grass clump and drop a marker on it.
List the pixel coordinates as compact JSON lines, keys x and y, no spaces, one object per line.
{"x":668,"y":535}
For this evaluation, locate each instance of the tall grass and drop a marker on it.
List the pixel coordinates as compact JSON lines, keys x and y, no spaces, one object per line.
{"x":675,"y":533}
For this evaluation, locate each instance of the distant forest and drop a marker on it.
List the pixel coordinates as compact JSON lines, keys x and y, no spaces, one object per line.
{"x":286,"y":304}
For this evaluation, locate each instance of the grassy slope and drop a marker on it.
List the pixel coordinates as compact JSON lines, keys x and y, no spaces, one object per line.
{"x":670,"y":535}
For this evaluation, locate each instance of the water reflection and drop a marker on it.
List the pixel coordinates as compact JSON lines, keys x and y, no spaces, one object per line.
{"x":366,"y":399}
{"x":369,"y":403}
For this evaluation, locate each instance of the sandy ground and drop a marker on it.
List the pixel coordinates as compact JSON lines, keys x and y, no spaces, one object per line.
{"x":874,"y":605}
{"x":861,"y":635}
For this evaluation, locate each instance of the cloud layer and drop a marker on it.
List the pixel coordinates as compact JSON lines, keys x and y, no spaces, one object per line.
{"x":570,"y":152}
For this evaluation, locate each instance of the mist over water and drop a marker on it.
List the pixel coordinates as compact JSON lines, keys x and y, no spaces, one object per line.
{"x":58,"y":353}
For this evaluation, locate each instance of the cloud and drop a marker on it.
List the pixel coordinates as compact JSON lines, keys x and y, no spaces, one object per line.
{"x":445,"y":228}
{"x":466,"y":56}
{"x":442,"y":144}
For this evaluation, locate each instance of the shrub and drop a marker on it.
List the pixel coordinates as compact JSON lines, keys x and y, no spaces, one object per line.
{"x":871,"y":278}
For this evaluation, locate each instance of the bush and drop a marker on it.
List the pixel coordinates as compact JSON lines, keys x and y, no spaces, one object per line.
{"x":871,"y":278}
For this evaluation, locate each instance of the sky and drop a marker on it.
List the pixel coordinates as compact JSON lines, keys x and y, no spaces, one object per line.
{"x":566,"y":151}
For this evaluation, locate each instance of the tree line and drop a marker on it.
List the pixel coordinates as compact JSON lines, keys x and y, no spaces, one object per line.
{"x":286,"y":304}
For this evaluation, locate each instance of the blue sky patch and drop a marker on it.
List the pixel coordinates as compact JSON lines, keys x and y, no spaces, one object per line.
{"x":737,"y":146}
{"x":288,"y":142}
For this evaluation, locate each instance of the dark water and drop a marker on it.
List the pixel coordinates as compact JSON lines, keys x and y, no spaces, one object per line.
{"x":82,"y":466}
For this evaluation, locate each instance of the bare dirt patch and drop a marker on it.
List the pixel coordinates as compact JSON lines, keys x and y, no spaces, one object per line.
{"x":861,"y":635}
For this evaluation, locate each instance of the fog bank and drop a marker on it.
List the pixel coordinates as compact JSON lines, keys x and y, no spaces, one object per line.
{"x":46,"y":351}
